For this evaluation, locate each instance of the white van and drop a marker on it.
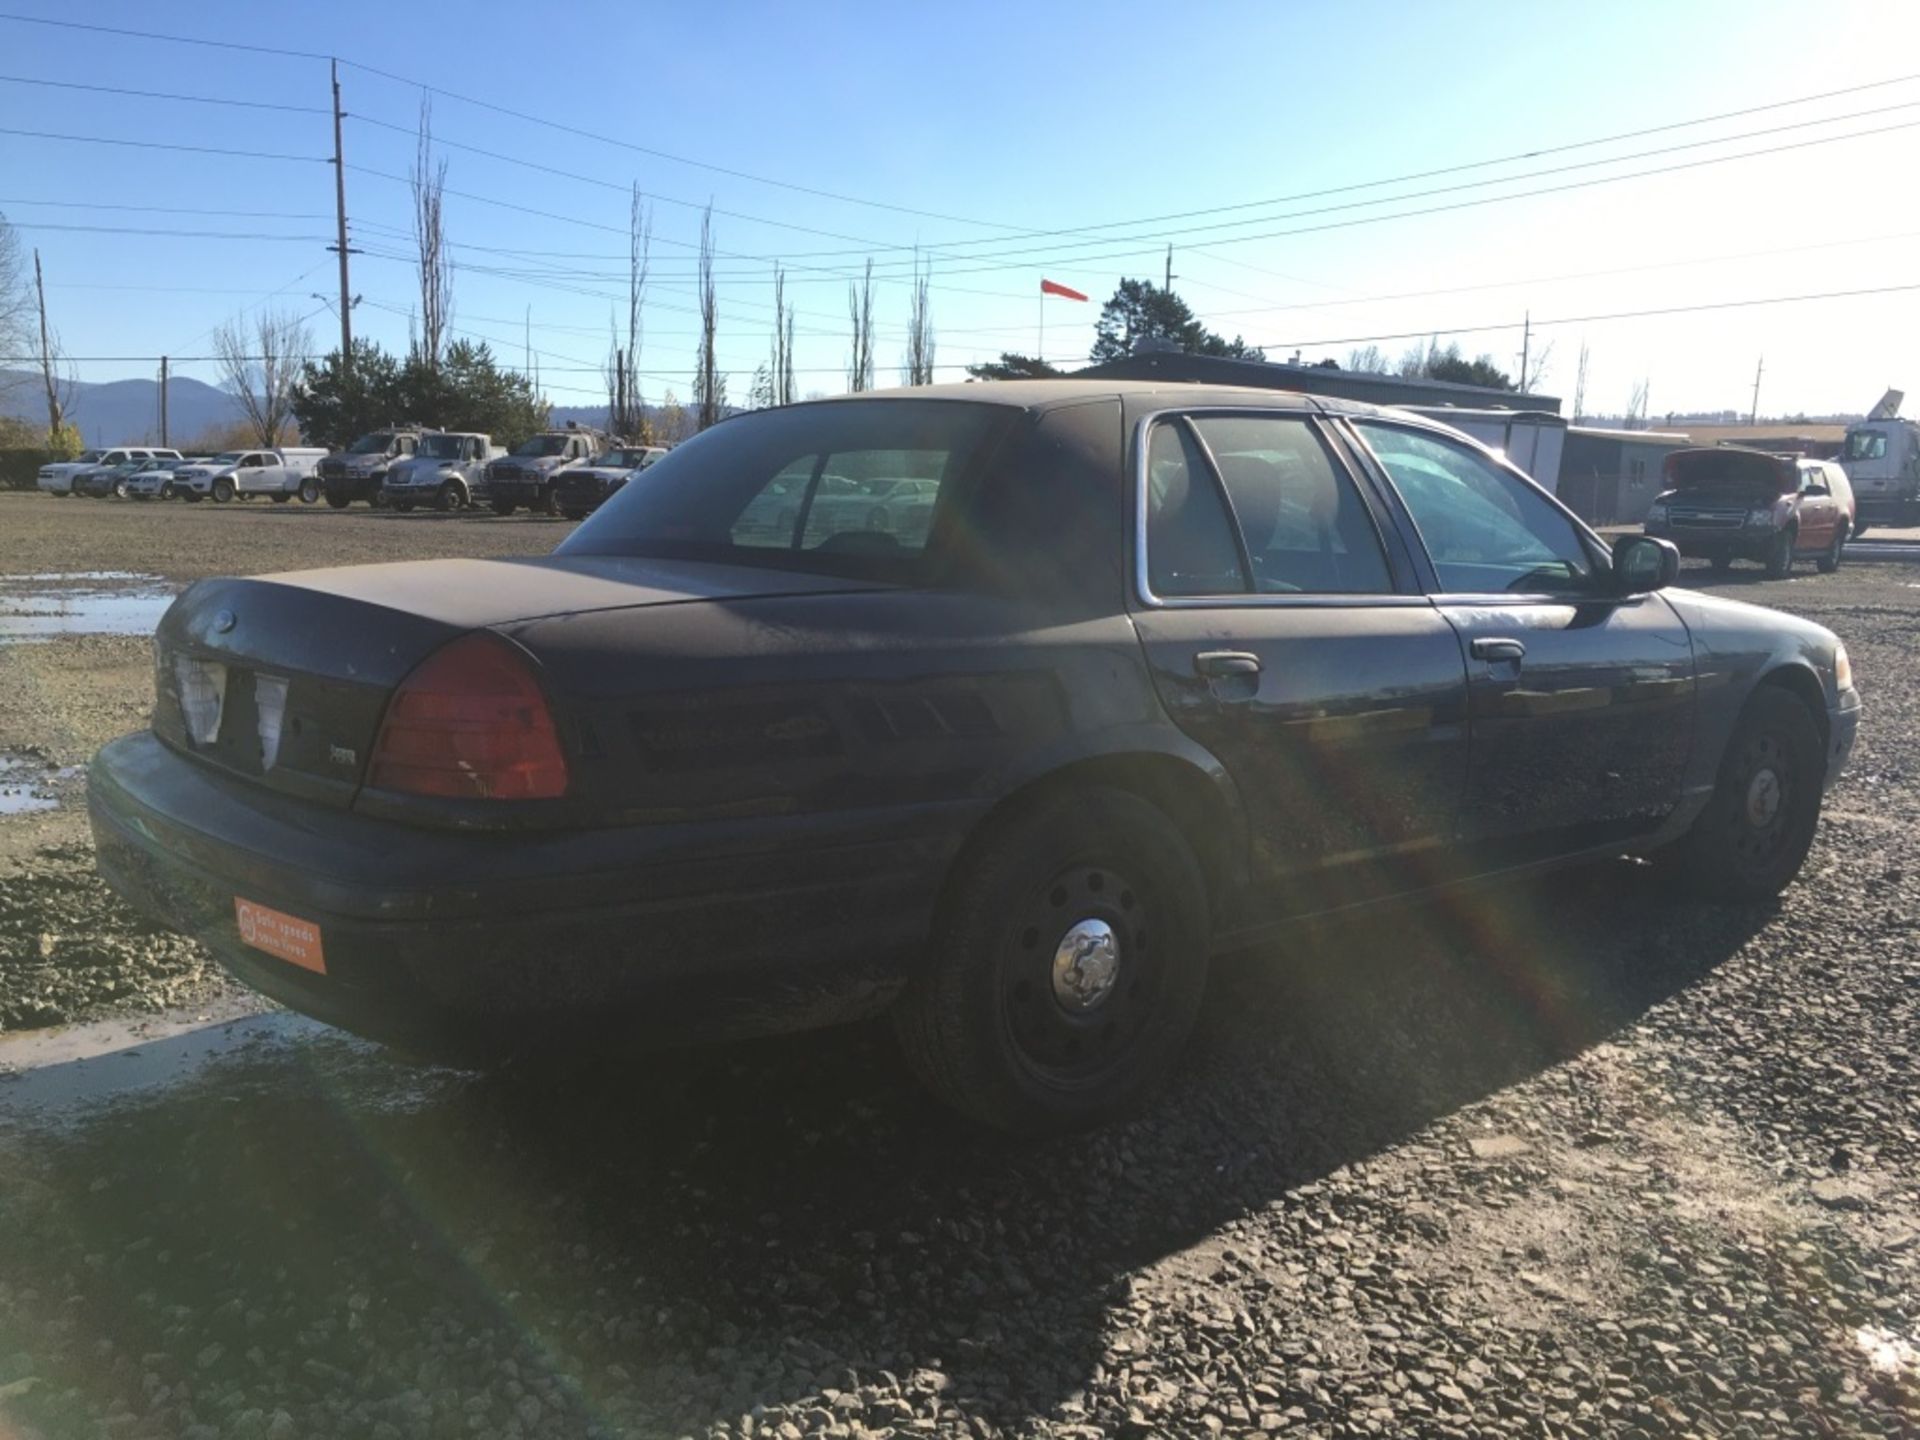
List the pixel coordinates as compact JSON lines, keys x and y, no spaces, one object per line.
{"x":1881,"y":456}
{"x":239,"y":474}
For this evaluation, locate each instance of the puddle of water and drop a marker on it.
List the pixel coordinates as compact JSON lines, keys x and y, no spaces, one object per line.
{"x":25,"y":784}
{"x":37,"y":608}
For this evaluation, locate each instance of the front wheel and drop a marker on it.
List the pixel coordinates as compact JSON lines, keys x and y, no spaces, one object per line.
{"x":1753,"y":837}
{"x":1780,"y":556}
{"x":119,"y":489}
{"x":222,"y":491}
{"x":448,"y":496}
{"x":1066,"y":969}
{"x":337,"y":501}
{"x":1830,"y":561}
{"x":502,"y":507}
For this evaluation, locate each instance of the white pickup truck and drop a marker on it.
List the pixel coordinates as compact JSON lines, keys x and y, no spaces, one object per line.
{"x":58,"y":478}
{"x":232,"y":474}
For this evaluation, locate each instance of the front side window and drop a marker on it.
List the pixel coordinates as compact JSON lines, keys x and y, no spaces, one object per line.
{"x":1487,"y":531}
{"x":791,"y":488}
{"x":1306,"y":527}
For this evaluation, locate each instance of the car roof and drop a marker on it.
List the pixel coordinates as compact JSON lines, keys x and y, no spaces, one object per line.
{"x":1039,"y":395}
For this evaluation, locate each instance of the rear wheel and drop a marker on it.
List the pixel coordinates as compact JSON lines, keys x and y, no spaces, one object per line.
{"x":502,"y":507}
{"x":166,"y":489}
{"x":1830,"y":561}
{"x":1066,"y":968}
{"x":1780,"y":555}
{"x":1753,"y":837}
{"x":281,"y":499}
{"x":222,"y":490}
{"x":309,"y":491}
{"x":119,"y":489}
{"x":1721,"y":564}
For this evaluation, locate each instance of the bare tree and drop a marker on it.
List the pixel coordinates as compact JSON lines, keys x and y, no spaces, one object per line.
{"x":259,"y":366}
{"x":1536,"y":370}
{"x":1415,"y":362}
{"x":430,"y":235}
{"x":626,"y":412}
{"x":1637,"y":407}
{"x":1580,"y":387}
{"x":1370,"y":361}
{"x":919,"y":367}
{"x":55,"y":374}
{"x":16,"y":305}
{"x":781,"y":373}
{"x":709,"y":385}
{"x":860,"y":311}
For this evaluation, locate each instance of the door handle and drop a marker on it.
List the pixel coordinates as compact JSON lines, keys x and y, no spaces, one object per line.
{"x":1213,"y":663}
{"x":1492,"y":647}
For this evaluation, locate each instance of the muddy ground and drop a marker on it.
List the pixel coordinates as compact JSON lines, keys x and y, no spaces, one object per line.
{"x":1570,"y":1158}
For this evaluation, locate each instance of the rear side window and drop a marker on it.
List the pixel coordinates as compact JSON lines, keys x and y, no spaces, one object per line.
{"x":851,"y":488}
{"x":1307,"y":529}
{"x":1190,"y":543}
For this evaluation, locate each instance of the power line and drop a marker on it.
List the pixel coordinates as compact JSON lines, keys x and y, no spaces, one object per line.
{"x":157,"y":144}
{"x":184,"y":234}
{"x":162,"y":94}
{"x":154,"y":35}
{"x":172,"y":209}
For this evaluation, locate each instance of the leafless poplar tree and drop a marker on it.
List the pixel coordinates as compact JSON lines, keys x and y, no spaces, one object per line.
{"x":781,"y":373}
{"x":919,"y":367}
{"x":626,"y":412}
{"x":1369,"y":361}
{"x":55,"y":374}
{"x":16,"y":305}
{"x":1580,"y":387}
{"x":430,"y":236}
{"x":860,"y":311}
{"x":1637,"y":407}
{"x":1536,"y":372}
{"x":259,"y":365}
{"x":709,"y":385}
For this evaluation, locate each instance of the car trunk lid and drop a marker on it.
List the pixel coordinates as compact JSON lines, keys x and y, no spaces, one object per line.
{"x":284,"y":679}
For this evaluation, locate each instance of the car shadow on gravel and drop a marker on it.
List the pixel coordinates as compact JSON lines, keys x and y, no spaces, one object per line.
{"x":671,"y":1242}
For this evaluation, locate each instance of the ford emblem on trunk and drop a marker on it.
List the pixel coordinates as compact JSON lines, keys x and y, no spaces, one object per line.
{"x":223,"y":621}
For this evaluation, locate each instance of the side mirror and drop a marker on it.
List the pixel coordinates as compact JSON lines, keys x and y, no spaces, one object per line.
{"x":1642,"y":563}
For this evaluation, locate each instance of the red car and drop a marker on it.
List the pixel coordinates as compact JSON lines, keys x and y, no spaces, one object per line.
{"x":1730,"y":504}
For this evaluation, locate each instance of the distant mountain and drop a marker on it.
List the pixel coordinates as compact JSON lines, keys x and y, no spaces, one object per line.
{"x":125,"y":412}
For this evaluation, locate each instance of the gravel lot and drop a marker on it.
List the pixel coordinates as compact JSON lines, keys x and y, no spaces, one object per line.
{"x":1571,"y":1158}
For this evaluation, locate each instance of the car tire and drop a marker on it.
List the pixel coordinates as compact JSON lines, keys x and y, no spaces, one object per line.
{"x":281,"y":499}
{"x":192,"y":497}
{"x":405,"y":507}
{"x":119,"y":489}
{"x":309,"y":492}
{"x":222,"y":490}
{"x":502,"y":507}
{"x":998,"y":1024}
{"x":1753,"y":837}
{"x":1720,"y":563}
{"x":1780,"y":555}
{"x":447,"y":497}
{"x":1830,"y":560}
{"x":336,"y":501}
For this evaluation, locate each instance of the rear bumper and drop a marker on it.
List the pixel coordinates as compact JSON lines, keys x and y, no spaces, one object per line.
{"x":461,"y":943}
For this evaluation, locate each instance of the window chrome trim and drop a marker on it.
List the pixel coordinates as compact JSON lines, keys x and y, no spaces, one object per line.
{"x":1142,"y":577}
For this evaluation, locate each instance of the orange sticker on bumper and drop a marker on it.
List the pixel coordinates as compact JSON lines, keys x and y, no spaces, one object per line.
{"x":288,"y":937}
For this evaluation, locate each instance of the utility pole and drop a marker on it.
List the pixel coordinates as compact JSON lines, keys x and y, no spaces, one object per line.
{"x":1526,"y":346}
{"x":1753,"y":415}
{"x":163,"y":400}
{"x":340,"y":220}
{"x":1168,"y":287}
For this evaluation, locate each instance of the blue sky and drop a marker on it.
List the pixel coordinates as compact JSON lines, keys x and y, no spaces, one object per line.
{"x":993,"y":120}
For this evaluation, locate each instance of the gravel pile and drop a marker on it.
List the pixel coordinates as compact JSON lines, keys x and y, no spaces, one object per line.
{"x":1571,"y":1159}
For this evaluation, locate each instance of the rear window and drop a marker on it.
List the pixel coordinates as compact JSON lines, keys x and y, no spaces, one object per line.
{"x":850,"y":489}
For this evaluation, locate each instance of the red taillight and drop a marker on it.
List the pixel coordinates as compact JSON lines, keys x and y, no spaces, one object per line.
{"x":470,"y":722}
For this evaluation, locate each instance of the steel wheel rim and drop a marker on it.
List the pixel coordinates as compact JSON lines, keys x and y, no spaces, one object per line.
{"x":1766,"y":790}
{"x":1075,"y":1028}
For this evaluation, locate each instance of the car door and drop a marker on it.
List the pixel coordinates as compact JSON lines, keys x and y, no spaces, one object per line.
{"x":1582,"y":699}
{"x":1285,"y":633}
{"x":1817,"y":509}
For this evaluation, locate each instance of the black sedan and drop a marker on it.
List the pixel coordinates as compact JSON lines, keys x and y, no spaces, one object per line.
{"x":1164,"y":669}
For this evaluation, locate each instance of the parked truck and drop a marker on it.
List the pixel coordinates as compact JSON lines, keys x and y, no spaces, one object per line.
{"x":526,"y":476}
{"x":444,"y":472}
{"x":1881,"y":456}
{"x":242,"y":474}
{"x":358,"y":472}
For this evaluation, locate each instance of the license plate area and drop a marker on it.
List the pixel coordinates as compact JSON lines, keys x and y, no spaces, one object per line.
{"x":283,"y":936}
